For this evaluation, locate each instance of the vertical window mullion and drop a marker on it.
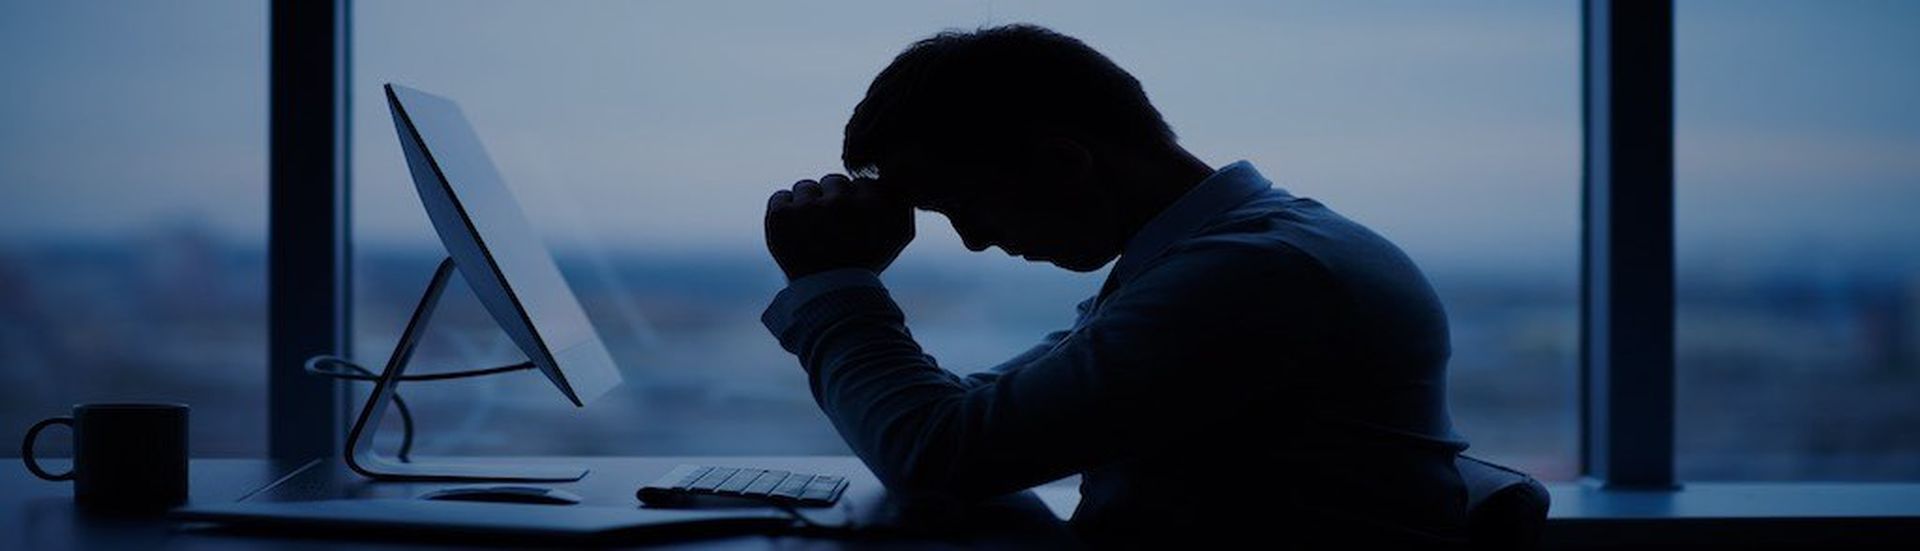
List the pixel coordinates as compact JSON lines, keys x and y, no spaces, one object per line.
{"x":1627,"y":304}
{"x":307,"y":274}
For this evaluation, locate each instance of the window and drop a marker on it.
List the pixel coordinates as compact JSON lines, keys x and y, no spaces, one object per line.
{"x":1797,"y":171}
{"x":133,"y":213}
{"x":642,"y":139}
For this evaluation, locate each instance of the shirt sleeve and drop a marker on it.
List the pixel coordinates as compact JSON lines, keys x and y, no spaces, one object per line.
{"x":1047,"y":344}
{"x":779,"y":315}
{"x":1193,"y":340}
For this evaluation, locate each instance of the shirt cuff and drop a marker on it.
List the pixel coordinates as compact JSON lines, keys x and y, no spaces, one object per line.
{"x":779,"y":315}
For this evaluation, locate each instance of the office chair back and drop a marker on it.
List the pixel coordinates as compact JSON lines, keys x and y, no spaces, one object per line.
{"x":1506,"y":509}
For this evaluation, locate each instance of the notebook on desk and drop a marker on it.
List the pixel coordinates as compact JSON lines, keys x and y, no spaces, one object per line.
{"x":542,"y":523}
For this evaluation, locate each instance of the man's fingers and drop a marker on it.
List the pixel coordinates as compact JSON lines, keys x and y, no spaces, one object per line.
{"x":779,"y":199}
{"x":829,"y":189}
{"x":833,"y":187}
{"x":806,"y":191}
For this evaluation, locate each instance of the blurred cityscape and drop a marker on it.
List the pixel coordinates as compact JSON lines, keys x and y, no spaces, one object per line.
{"x":133,"y":161}
{"x":1788,"y":373}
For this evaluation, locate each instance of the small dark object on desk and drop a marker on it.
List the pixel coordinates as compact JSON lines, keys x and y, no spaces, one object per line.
{"x":127,"y":457}
{"x":505,"y":494}
{"x":688,"y":485}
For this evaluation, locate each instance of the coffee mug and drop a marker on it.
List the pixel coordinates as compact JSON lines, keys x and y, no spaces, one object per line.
{"x":126,"y":457}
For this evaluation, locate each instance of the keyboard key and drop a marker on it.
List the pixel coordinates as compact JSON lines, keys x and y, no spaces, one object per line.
{"x":765,"y":484}
{"x":817,"y":495}
{"x":713,"y":479}
{"x":822,"y":490}
{"x":792,"y":487}
{"x":821,"y":484}
{"x":676,"y":476}
{"x":692,"y":475}
{"x":739,"y":481}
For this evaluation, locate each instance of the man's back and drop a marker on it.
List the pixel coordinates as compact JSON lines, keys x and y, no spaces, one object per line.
{"x":1353,"y":441}
{"x":1256,"y":365}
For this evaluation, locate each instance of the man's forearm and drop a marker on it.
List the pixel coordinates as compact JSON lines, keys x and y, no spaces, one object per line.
{"x":907,"y":418}
{"x":875,"y":384}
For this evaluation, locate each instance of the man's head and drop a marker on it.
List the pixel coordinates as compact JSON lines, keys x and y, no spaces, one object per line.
{"x":1017,"y":134}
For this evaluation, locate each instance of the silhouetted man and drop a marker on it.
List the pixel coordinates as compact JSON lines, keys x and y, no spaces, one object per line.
{"x":1255,"y":364}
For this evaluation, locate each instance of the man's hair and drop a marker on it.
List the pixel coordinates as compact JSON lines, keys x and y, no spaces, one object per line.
{"x":966,"y":94}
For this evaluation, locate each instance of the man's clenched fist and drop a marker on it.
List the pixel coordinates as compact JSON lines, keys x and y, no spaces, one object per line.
{"x":836,"y":223}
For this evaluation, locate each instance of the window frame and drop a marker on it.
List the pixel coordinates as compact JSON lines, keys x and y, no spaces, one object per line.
{"x":1627,"y":258}
{"x":309,"y":270}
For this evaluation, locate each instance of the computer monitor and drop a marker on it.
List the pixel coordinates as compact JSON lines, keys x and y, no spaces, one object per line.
{"x":490,"y":242}
{"x":498,"y":253}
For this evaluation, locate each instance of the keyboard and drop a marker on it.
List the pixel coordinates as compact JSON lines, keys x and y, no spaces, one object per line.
{"x":698,"y":484}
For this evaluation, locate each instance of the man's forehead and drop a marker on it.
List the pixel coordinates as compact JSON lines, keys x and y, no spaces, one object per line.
{"x":913,"y":174}
{"x":901,"y":162}
{"x":928,"y":180}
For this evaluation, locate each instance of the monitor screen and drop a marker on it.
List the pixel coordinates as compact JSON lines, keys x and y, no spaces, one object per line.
{"x":499,"y":255}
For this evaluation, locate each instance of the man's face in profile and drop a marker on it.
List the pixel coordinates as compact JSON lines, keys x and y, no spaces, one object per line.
{"x":1068,"y":222}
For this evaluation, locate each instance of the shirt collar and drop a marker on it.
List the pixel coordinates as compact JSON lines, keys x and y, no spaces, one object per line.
{"x":1228,"y":187}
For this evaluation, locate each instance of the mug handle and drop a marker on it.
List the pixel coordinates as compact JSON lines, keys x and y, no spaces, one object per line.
{"x":26,"y":449}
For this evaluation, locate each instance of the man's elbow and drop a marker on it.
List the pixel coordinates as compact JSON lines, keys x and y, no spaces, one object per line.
{"x":917,"y":462}
{"x":939,"y":476}
{"x":929,"y":451}
{"x":925,"y":483}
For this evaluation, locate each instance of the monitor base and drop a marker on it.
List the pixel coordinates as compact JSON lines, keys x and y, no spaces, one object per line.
{"x":360,"y":455}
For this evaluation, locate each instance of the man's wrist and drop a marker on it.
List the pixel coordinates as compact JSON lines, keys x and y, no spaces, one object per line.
{"x":780,"y":314}
{"x":827,"y":280}
{"x":804,"y":272}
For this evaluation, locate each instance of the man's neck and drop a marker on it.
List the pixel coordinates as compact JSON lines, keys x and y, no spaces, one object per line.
{"x":1158,"y":182}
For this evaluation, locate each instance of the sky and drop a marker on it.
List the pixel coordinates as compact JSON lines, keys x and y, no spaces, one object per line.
{"x":1452,"y":128}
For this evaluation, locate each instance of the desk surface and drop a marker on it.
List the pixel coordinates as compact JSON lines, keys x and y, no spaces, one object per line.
{"x":35,"y":514}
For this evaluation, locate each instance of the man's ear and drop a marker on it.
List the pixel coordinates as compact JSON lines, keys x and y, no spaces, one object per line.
{"x":1063,"y":160}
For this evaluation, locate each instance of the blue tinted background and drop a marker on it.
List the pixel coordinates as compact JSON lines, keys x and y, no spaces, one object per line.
{"x":133,"y":195}
{"x":642,"y":138}
{"x":1797,"y":170}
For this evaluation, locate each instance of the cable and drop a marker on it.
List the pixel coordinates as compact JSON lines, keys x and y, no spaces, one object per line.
{"x":315,"y":365}
{"x":405,"y":455}
{"x":326,"y":366}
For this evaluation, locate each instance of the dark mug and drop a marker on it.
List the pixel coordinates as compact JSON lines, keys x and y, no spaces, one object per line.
{"x":126,"y":457}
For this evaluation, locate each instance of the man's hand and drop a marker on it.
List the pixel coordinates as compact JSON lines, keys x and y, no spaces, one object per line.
{"x":836,"y":223}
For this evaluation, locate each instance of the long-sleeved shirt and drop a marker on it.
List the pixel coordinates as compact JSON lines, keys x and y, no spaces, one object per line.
{"x":1255,"y":364}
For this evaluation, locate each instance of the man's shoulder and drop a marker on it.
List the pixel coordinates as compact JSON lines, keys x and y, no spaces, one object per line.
{"x":1316,"y":251}
{"x":1292,"y":241}
{"x":1294,"y":228}
{"x":1241,"y":260}
{"x":1274,"y":227}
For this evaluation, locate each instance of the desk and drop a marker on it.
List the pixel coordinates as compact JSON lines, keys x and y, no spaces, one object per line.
{"x":36,"y":514}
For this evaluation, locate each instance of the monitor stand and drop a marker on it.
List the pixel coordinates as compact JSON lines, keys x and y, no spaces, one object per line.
{"x":360,"y":455}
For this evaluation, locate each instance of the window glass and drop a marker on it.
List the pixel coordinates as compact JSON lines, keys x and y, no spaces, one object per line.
{"x":643,"y":137}
{"x":1797,"y":167}
{"x":133,"y":187}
